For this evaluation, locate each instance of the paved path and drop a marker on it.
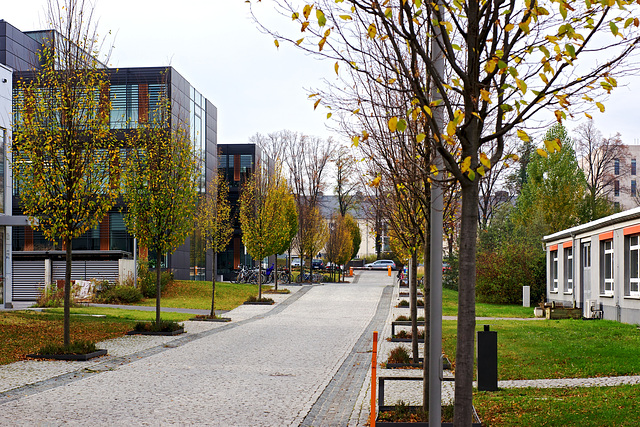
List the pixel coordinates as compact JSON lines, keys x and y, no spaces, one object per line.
{"x":268,"y":367}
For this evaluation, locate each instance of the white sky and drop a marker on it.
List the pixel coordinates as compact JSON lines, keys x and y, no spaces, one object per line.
{"x":216,"y":46}
{"x":257,"y":88}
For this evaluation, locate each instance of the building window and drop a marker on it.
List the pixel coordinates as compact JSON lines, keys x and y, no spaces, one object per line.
{"x":616,"y":188}
{"x":633,"y":166}
{"x":633,"y":188}
{"x":632,"y":287}
{"x":568,"y":270}
{"x":606,"y":286}
{"x":554,"y":271}
{"x":586,"y":255}
{"x":616,"y":166}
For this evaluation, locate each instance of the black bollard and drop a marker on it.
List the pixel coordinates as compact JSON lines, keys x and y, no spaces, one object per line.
{"x":487,"y":360}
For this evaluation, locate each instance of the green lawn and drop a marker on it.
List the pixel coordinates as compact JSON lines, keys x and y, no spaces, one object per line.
{"x":559,"y":348}
{"x":450,"y":307}
{"x":585,"y":406}
{"x":119,"y":313}
{"x":197,"y":295}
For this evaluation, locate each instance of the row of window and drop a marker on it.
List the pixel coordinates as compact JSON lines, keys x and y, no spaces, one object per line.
{"x":607,"y":267}
{"x":633,"y":188}
{"x":616,"y":166}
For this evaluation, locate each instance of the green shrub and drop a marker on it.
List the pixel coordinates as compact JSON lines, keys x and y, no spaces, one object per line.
{"x":253,"y":298}
{"x":399,"y":355}
{"x":163,"y":326}
{"x":450,"y":275}
{"x":50,"y":297}
{"x":76,"y":347}
{"x":120,"y":295}
{"x":501,"y":274}
{"x":147,"y":280}
{"x":403,"y":303}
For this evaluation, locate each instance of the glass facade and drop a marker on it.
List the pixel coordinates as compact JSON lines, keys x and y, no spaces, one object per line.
{"x":197,"y":123}
{"x":132,"y":104}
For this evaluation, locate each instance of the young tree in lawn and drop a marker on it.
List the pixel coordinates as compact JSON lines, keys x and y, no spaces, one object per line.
{"x":356,"y":235}
{"x":214,"y":221}
{"x":160,"y":186}
{"x":64,"y":155}
{"x":290,"y":223}
{"x":262,"y":217}
{"x":493,"y":66}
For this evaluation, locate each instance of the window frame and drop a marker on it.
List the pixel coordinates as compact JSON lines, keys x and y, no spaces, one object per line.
{"x":554,"y":271}
{"x":607,"y":284}
{"x":568,"y":270}
{"x":632,"y":253}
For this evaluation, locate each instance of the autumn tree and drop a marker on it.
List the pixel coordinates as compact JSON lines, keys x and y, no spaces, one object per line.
{"x":493,"y":66}
{"x":215,"y":222}
{"x":263,"y":220}
{"x":160,"y":185}
{"x":340,"y":242}
{"x":356,"y":235}
{"x":347,"y":182}
{"x":597,"y":156}
{"x":64,"y":155}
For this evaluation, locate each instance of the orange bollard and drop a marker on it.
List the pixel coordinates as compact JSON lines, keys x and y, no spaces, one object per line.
{"x":350,"y":271}
{"x":374,"y":362}
{"x":389,"y":271}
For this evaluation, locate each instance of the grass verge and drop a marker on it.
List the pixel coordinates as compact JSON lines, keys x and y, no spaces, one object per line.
{"x":585,"y":406}
{"x":450,"y":307}
{"x":197,"y":295}
{"x":24,"y":332}
{"x":559,"y":348}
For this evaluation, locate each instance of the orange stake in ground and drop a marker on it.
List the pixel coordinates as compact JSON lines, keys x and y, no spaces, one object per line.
{"x":374,"y":362}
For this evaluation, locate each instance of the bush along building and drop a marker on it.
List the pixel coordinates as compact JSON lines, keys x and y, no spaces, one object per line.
{"x":105,"y":252}
{"x":596,"y":266}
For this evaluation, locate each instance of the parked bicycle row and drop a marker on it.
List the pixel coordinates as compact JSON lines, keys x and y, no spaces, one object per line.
{"x":246,"y":275}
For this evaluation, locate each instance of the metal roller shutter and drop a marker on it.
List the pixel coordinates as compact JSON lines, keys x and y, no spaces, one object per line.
{"x":28,"y":279}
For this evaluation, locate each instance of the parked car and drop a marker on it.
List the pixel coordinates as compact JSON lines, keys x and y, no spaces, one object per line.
{"x":317,"y":263}
{"x":381,"y":264}
{"x":295,"y":262}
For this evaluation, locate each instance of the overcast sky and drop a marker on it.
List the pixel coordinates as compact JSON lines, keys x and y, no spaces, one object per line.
{"x":216,"y":46}
{"x":257,"y":88}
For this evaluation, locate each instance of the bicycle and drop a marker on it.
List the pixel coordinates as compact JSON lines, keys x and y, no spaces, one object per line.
{"x":309,"y":278}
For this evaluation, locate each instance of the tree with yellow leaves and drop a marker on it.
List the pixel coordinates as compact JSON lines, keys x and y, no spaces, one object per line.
{"x":160,"y":186}
{"x":214,"y":221}
{"x":64,"y":155}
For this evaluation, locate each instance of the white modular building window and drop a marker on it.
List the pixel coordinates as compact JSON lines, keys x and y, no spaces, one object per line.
{"x":607,"y":268}
{"x":634,"y":266}
{"x":554,"y":271}
{"x":568,"y":270}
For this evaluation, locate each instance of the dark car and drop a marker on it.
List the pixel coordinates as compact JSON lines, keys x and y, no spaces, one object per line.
{"x":317,"y":263}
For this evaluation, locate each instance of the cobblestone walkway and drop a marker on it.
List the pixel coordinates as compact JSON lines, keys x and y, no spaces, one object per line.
{"x":266,"y":368}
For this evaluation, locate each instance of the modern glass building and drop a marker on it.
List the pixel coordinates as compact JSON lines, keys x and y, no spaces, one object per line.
{"x":135,"y":94}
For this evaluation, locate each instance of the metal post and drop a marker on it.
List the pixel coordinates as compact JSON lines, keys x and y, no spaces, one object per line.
{"x":374,"y":362}
{"x":435,"y":336}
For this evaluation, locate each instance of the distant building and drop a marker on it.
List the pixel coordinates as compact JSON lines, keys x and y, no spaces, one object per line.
{"x":98,"y":253}
{"x":625,"y":193}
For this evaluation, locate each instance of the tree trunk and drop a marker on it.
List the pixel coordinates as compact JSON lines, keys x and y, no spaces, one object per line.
{"x":158,"y":284}
{"x":67,"y":296}
{"x":275,"y":273}
{"x":413,"y":308}
{"x":466,"y":305}
{"x":213,"y":284}
{"x":260,"y":280}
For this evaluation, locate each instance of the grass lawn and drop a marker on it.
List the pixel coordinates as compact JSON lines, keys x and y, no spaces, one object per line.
{"x":197,"y":295}
{"x":24,"y":332}
{"x":559,"y":348}
{"x":585,"y":406}
{"x":134,"y":315}
{"x":450,"y":307}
